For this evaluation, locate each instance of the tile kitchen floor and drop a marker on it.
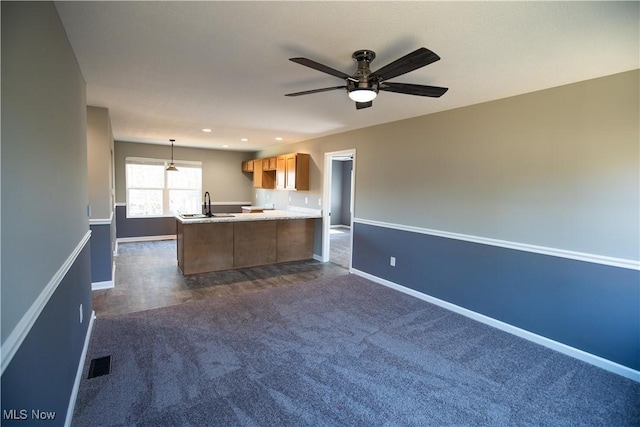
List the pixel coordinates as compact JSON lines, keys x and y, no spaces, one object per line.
{"x":147,"y":276}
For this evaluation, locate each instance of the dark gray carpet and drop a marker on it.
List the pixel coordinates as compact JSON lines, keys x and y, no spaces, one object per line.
{"x":342,"y":351}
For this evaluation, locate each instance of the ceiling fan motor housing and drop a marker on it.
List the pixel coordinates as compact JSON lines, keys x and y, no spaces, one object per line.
{"x":362,"y":84}
{"x":361,"y":76}
{"x":360,"y":88}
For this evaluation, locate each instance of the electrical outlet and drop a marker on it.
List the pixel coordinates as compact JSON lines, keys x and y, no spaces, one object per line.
{"x":306,"y":200}
{"x":392,"y":261}
{"x":319,"y":202}
{"x":80,"y":313}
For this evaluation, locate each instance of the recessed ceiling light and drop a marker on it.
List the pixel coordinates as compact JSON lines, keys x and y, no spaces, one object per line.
{"x":244,"y":139}
{"x":278,"y":138}
{"x":206,"y":130}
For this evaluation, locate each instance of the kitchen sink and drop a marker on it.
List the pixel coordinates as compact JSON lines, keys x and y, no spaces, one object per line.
{"x":216,"y":215}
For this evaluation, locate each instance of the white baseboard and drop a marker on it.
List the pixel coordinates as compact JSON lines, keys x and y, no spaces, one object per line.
{"x":76,"y":383}
{"x":347,"y":227}
{"x":592,"y":359}
{"x":108,"y":284}
{"x":145,"y":238}
{"x":97,"y":286}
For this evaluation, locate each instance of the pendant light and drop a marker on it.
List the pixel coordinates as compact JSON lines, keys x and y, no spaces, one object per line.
{"x":172,"y":167}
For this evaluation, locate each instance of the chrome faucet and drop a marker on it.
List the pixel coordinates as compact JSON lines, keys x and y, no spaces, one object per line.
{"x":207,"y":205}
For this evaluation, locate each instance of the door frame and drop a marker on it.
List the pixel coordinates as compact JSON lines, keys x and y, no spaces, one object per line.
{"x":326,"y":200}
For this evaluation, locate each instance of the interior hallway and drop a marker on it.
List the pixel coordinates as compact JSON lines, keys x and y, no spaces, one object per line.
{"x":340,"y":247}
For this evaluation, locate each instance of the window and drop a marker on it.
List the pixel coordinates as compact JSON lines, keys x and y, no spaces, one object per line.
{"x":152,"y":191}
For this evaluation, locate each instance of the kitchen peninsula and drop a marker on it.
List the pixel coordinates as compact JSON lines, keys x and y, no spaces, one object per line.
{"x":228,"y":241}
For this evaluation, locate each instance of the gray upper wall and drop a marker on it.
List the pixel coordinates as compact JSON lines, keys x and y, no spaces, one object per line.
{"x":556,"y":168}
{"x":44,"y":154}
{"x":221,"y":170}
{"x":99,"y":149}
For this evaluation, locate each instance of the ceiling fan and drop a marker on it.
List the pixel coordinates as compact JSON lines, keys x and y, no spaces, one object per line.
{"x":363,"y":85}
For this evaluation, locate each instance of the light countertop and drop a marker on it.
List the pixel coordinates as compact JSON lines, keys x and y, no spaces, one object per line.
{"x":267,"y":215}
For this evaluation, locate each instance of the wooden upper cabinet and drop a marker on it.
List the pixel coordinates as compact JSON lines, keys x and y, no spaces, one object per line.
{"x":263,"y":178}
{"x":285,"y":172}
{"x":247,"y":166}
{"x":269,"y":164}
{"x":296,"y":173}
{"x":257,"y":174}
{"x":291,"y":172}
{"x":281,"y":162}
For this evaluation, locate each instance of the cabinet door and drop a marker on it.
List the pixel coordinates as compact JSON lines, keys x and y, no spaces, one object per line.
{"x":290,"y":172}
{"x":254,"y":243}
{"x":257,"y":174}
{"x":206,"y":247}
{"x":247,"y":166}
{"x":269,"y":164}
{"x":297,"y":172}
{"x":302,"y":172}
{"x":294,"y":239}
{"x":280,"y":172}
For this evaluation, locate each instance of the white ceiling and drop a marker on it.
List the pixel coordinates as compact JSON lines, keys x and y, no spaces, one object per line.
{"x":168,"y":69}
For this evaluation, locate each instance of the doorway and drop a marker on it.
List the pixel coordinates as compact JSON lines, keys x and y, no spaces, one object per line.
{"x":337,"y":212}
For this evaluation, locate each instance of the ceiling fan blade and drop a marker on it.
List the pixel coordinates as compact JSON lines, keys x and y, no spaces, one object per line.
{"x":320,"y":67}
{"x":411,"y":89}
{"x":361,"y":105}
{"x":412,"y":61}
{"x":308,"y":92}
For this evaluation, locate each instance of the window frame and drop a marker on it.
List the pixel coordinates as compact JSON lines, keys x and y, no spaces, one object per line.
{"x":165,"y":189}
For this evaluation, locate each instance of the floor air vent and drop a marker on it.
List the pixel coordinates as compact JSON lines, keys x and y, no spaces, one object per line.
{"x":100,"y":366}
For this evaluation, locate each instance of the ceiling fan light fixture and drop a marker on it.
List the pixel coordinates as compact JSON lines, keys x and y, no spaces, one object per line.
{"x":363,"y":94}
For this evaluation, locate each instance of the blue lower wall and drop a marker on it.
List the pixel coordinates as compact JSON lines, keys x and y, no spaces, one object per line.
{"x":588,"y":306}
{"x":42,"y":373}
{"x":101,"y":253}
{"x":142,"y":227}
{"x":158,"y":226}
